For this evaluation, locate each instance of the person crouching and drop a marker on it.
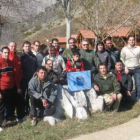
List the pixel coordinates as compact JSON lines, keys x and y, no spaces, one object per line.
{"x":42,"y":95}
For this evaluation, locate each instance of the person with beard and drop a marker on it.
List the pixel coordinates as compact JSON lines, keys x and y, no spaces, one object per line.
{"x":67,"y":54}
{"x":50,"y":73}
{"x":103,"y":55}
{"x":89,"y":58}
{"x":58,"y":61}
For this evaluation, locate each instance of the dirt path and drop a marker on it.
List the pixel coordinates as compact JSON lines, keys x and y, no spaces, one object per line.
{"x":126,"y":131}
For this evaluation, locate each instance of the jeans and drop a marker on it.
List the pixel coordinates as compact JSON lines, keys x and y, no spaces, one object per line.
{"x":136,"y":74}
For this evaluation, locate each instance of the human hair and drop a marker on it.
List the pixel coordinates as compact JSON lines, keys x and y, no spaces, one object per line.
{"x":36,"y":41}
{"x":41,"y":68}
{"x":119,"y":61}
{"x":72,"y":38}
{"x":47,"y":60}
{"x":102,"y":64}
{"x":130,"y":36}
{"x":5,"y":48}
{"x":51,"y":47}
{"x":26,"y":42}
{"x":85,"y":40}
{"x":76,"y":53}
{"x":12,"y":42}
{"x":55,"y":39}
{"x":108,"y":39}
{"x":100,"y":43}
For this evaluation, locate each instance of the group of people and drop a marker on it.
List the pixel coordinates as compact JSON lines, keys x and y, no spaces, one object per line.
{"x":27,"y":80}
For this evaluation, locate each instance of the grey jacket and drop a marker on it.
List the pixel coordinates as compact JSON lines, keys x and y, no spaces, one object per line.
{"x":46,"y":90}
{"x":104,"y":57}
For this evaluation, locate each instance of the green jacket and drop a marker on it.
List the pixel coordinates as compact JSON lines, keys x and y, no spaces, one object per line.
{"x":90,"y":60}
{"x":108,"y":85}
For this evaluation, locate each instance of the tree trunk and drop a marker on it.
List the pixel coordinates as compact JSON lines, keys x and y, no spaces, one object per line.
{"x":68,"y":30}
{"x":96,"y":40}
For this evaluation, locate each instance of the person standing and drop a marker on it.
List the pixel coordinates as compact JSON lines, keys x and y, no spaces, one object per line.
{"x":38,"y":53}
{"x":9,"y":89}
{"x":103,"y":55}
{"x":113,"y":52}
{"x":29,"y":67}
{"x":67,"y":54}
{"x":89,"y":57}
{"x":130,"y":56}
{"x":58,"y":61}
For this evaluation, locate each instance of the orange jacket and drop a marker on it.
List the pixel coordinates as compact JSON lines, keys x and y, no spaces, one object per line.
{"x":16,"y":64}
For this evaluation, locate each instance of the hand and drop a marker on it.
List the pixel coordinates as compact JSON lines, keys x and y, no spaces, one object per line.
{"x":128,"y":93}
{"x":110,"y":72}
{"x":126,"y":71}
{"x":114,"y":97}
{"x":96,"y":87}
{"x":78,"y":70}
{"x":18,"y":90}
{"x":45,"y":104}
{"x":0,"y":95}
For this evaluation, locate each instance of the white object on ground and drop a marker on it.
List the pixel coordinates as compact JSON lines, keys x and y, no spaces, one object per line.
{"x":81,"y":113}
{"x":50,"y":119}
{"x":1,"y":129}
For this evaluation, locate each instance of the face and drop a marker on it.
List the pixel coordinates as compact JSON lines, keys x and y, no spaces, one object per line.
{"x":103,"y":69}
{"x":55,"y":44}
{"x":72,"y":43}
{"x":5,"y":54}
{"x":49,"y":65}
{"x":76,"y":57}
{"x":131,"y":41}
{"x":85,"y":45}
{"x":41,"y":74}
{"x":118,"y":66}
{"x":100,"y":47}
{"x":36,"y":46}
{"x":26,"y":48}
{"x":108,"y":43}
{"x":12,"y":46}
{"x":51,"y":51}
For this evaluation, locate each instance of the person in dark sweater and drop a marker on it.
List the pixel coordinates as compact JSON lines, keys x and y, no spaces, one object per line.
{"x":29,"y":67}
{"x":125,"y":81}
{"x":113,"y":52}
{"x":103,"y":55}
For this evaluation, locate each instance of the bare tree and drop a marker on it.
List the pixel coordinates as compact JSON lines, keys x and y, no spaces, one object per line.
{"x":69,"y":10}
{"x":104,"y":17}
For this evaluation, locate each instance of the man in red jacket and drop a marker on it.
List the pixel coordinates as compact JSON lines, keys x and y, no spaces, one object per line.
{"x":9,"y":88}
{"x":15,"y":61}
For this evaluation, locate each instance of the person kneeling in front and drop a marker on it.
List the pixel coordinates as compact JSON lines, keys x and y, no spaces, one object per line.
{"x":106,"y":85}
{"x":42,"y":94}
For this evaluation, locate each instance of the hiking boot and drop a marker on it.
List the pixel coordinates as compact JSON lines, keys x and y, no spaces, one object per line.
{"x":21,"y":120}
{"x":34,"y":121}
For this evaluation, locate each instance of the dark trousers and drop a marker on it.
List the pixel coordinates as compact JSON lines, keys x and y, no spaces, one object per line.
{"x":37,"y":103}
{"x":24,"y":89}
{"x":11,"y":100}
{"x":2,"y":108}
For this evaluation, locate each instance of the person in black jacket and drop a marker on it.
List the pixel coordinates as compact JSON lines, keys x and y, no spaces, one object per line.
{"x":29,"y":67}
{"x":113,"y":52}
{"x":125,"y":81}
